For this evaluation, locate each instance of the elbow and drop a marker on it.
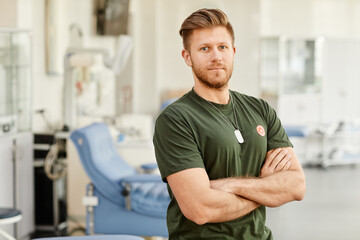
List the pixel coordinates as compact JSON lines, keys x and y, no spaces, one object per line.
{"x":274,"y":204}
{"x":300,"y":195}
{"x":300,"y":190}
{"x":197,"y":217}
{"x":199,"y":220}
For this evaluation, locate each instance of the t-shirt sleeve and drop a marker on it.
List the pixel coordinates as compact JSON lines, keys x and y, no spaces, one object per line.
{"x":175,"y":146}
{"x":276,"y":135}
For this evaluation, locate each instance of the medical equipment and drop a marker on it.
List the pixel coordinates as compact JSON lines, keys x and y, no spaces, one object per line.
{"x":50,"y":168}
{"x":85,"y":83}
{"x":326,"y":145}
{"x":119,"y":201}
{"x":135,"y":127}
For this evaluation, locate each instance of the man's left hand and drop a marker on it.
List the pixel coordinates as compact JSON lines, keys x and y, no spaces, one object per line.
{"x":276,"y":160}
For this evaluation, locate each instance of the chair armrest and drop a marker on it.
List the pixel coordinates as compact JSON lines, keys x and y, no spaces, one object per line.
{"x":141,"y":178}
{"x":149,"y":167}
{"x":136,"y":186}
{"x":129,"y":182}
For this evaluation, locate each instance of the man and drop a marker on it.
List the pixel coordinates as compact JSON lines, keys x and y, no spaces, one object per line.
{"x":224,"y":155}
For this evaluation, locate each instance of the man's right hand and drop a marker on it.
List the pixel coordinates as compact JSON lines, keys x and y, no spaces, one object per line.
{"x":276,"y":160}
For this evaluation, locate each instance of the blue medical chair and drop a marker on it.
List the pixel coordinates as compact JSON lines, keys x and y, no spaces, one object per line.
{"x":119,"y":200}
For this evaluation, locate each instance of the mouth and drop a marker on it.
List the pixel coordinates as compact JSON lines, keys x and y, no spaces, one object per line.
{"x":216,"y":68}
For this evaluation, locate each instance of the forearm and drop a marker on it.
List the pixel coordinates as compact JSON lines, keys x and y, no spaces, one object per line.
{"x":271,"y":191}
{"x":222,"y":206}
{"x":202,"y":204}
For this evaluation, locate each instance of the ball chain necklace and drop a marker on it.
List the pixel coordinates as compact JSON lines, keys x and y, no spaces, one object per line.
{"x":237,"y":132}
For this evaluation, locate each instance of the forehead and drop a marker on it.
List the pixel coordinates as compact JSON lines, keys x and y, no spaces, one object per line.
{"x":213,"y":35}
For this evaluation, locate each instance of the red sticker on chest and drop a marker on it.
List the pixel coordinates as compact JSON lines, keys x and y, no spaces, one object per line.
{"x":261,"y":131}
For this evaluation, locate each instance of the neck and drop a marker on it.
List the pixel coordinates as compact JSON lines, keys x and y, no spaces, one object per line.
{"x":220,"y":96}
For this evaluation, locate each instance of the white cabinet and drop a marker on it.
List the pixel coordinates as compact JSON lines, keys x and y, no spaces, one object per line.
{"x":342,"y":80}
{"x":16,"y":147}
{"x":316,"y":83}
{"x":6,"y":177}
{"x":299,"y":109}
{"x":16,"y":180}
{"x":25,"y":181}
{"x":311,"y":81}
{"x":6,"y":172}
{"x":291,"y":78}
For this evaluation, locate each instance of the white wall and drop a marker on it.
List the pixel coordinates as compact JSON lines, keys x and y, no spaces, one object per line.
{"x":47,"y":90}
{"x":156,"y":63}
{"x":8,"y":13}
{"x":159,"y":65}
{"x":309,"y":18}
{"x":144,"y":81}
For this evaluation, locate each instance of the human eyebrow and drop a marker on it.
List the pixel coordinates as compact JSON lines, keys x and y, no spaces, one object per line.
{"x":226,"y":44}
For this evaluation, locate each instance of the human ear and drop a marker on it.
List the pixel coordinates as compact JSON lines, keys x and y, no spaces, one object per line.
{"x":186,"y":55}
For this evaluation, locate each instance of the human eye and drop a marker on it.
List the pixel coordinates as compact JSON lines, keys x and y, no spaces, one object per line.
{"x":204,"y":49}
{"x":223,"y":47}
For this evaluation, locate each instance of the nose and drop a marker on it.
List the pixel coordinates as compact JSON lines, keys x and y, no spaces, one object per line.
{"x":216,"y":56}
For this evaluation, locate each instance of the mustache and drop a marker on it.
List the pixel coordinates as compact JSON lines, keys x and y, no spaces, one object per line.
{"x":217,"y":66}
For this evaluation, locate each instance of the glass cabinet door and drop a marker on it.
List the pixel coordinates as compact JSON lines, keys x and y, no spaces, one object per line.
{"x":290,"y":66}
{"x":22,"y":78}
{"x":6,"y":85}
{"x":15,"y":81}
{"x":269,"y":67}
{"x":291,"y":75}
{"x":300,"y":66}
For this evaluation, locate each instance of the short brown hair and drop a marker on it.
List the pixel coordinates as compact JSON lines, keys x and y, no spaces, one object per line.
{"x":204,"y":18}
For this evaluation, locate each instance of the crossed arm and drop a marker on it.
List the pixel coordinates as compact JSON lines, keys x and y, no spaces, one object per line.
{"x":281,"y":180}
{"x":201,"y":200}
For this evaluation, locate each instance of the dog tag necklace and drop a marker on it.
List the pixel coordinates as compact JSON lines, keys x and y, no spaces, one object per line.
{"x":237,"y":132}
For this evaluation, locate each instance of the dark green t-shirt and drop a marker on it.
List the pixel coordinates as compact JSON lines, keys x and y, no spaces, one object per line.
{"x":191,"y":133}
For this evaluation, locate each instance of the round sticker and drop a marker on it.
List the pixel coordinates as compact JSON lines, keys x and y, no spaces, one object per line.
{"x":261,"y":131}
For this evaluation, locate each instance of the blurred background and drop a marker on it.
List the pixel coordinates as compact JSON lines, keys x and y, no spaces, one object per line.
{"x":66,"y":64}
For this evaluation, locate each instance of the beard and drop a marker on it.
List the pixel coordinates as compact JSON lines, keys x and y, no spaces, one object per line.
{"x":213,"y":80}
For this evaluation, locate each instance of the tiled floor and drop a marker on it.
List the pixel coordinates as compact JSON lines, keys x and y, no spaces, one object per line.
{"x":330,"y":210}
